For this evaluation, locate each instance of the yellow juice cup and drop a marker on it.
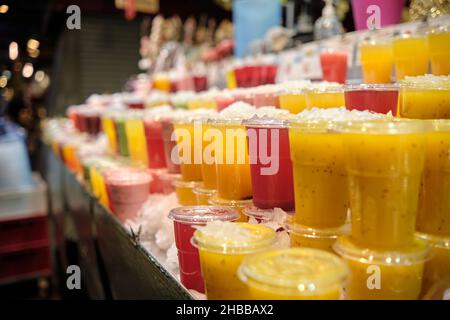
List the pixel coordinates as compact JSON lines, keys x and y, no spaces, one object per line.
{"x":202,"y":194}
{"x":437,"y":268}
{"x":384,"y":163}
{"x":208,"y":166}
{"x":293,"y":100}
{"x":376,"y":61}
{"x":327,"y":97}
{"x":319,"y":173}
{"x":410,"y":56}
{"x":238,"y":205}
{"x":434,"y":197}
{"x":185,"y":192}
{"x":189,"y":140}
{"x":293,"y":274}
{"x":232,"y":161}
{"x":438,"y":42}
{"x":110,"y":132}
{"x":137,"y":145}
{"x":383,"y":275}
{"x":322,"y":239}
{"x":161,"y":82}
{"x":425,"y":97}
{"x":222,"y":247}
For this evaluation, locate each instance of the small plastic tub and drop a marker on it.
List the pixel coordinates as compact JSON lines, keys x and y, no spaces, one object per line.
{"x":293,"y":274}
{"x":381,"y":98}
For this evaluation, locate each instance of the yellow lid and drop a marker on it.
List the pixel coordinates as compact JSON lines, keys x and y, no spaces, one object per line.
{"x":294,"y":271}
{"x":233,"y":237}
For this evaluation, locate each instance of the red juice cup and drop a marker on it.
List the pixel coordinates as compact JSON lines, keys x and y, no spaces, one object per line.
{"x":200,"y":83}
{"x":380,"y":98}
{"x":272,"y":181}
{"x":92,"y":121}
{"x":169,"y":144}
{"x":334,"y":66}
{"x":270,"y":73}
{"x":184,"y":221}
{"x":128,"y":189}
{"x":155,"y":143}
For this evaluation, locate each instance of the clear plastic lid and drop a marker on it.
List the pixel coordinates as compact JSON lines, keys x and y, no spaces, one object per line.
{"x":440,"y":125}
{"x":308,"y":232}
{"x":417,"y":253}
{"x":435,"y":241}
{"x":125,"y":176}
{"x":372,"y":87}
{"x":200,"y":190}
{"x":384,"y":127}
{"x":263,"y":214}
{"x":179,"y":183}
{"x":426,"y":82}
{"x":280,"y":120}
{"x":294,"y":271}
{"x":218,"y":201}
{"x":233,"y":237}
{"x":200,"y":215}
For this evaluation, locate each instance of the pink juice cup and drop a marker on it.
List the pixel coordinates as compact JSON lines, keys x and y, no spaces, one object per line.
{"x":172,"y":166}
{"x":275,"y":187}
{"x":223,"y":100}
{"x":155,"y":143}
{"x":266,"y":97}
{"x":128,"y":189}
{"x":381,"y":98}
{"x":244,"y":95}
{"x":334,"y":66}
{"x":184,"y":221}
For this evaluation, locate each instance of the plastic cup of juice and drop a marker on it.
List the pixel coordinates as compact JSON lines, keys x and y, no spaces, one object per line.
{"x":385,"y":162}
{"x":306,"y":237}
{"x":425,"y":97}
{"x":437,"y":267}
{"x":383,"y":275}
{"x":266,"y":95}
{"x":232,"y":161}
{"x":381,"y":98}
{"x":161,"y":82}
{"x":376,"y":61}
{"x":222,"y":247}
{"x":202,"y":194}
{"x":121,"y":136}
{"x":410,"y":55}
{"x":434,"y":200}
{"x":169,"y":145}
{"x":154,"y":142}
{"x":224,"y":99}
{"x":92,"y":121}
{"x":328,"y":96}
{"x":293,"y":274}
{"x":189,"y":139}
{"x":319,"y":173}
{"x":272,"y":181}
{"x":238,"y":205}
{"x":185,"y":219}
{"x":110,"y":131}
{"x":128,"y":189}
{"x":438,"y":40}
{"x":334,"y":65}
{"x":136,"y":142}
{"x":293,"y":100}
{"x":208,"y":166}
{"x":167,"y":180}
{"x":244,"y":95}
{"x":185,"y":192}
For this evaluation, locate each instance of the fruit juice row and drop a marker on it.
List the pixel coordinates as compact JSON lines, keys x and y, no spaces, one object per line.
{"x":410,"y":54}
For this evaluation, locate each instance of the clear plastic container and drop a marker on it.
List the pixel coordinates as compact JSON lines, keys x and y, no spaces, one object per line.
{"x":376,"y":61}
{"x":293,"y":100}
{"x":190,"y":164}
{"x":222,"y":247}
{"x":184,"y":191}
{"x":434,"y":197}
{"x":326,"y":97}
{"x":238,"y":205}
{"x":384,"y":161}
{"x":202,"y":195}
{"x":381,"y":98}
{"x":322,"y":239}
{"x":184,"y":221}
{"x":438,"y":40}
{"x":411,"y":55}
{"x":383,"y":275}
{"x":293,"y":274}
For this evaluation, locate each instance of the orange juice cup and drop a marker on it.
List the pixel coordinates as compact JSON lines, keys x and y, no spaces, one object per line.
{"x":293,"y":274}
{"x":410,"y":55}
{"x":306,"y":237}
{"x":325,"y":97}
{"x":376,"y":61}
{"x":185,"y":192}
{"x":208,"y":166}
{"x":238,"y":205}
{"x":437,"y":268}
{"x":222,"y":247}
{"x":434,"y":200}
{"x":136,"y":141}
{"x":384,"y":164}
{"x":438,"y":42}
{"x":425,"y":97}
{"x":319,"y":173}
{"x":190,"y":165}
{"x":110,"y":132}
{"x":293,"y":100}
{"x":202,"y":195}
{"x":232,"y":161}
{"x":383,"y":275}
